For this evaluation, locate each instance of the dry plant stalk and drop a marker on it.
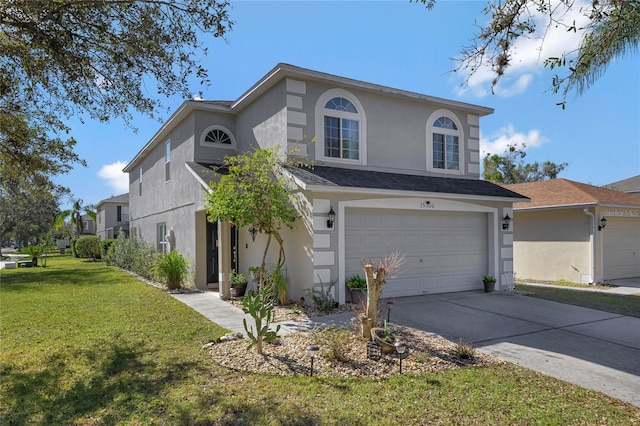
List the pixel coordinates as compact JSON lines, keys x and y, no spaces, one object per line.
{"x":376,"y":274}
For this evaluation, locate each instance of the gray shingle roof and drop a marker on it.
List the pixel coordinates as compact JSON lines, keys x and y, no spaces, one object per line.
{"x":358,"y":178}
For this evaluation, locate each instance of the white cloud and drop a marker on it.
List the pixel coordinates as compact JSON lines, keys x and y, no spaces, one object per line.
{"x":529,"y":53}
{"x":115,"y":177}
{"x":499,"y":141}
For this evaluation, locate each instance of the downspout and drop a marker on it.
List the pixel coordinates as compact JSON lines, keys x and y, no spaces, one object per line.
{"x":592,"y":245}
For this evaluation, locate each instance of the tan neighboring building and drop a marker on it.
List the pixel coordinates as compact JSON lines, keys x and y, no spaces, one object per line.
{"x":576,"y":232}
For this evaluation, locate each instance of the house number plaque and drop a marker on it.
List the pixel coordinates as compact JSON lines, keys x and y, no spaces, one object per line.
{"x":427,"y":205}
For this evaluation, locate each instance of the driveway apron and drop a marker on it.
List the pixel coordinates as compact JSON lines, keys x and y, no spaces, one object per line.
{"x":586,"y":347}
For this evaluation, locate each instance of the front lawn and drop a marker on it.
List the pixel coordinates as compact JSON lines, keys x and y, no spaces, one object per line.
{"x":615,"y":303}
{"x":83,"y":343}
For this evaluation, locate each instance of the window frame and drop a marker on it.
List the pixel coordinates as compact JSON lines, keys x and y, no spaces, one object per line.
{"x":431,"y":129}
{"x":167,"y":160}
{"x":213,"y":127}
{"x":161,"y":244}
{"x":321,"y":112}
{"x":140,"y":182}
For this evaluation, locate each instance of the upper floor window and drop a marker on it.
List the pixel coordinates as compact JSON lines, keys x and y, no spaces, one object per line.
{"x":446,"y":149}
{"x":167,"y":161}
{"x":340,"y":124}
{"x":217,"y":136}
{"x":140,"y":182}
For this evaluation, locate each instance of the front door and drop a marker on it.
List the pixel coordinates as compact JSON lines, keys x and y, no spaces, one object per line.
{"x":213,"y":244}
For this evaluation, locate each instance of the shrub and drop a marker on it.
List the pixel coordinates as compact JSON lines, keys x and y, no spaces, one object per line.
{"x":104,"y":247}
{"x":72,"y":243}
{"x":173,"y":269}
{"x":335,"y":343}
{"x":33,"y":251}
{"x":323,"y":298}
{"x":88,"y":247}
{"x":277,"y":284}
{"x":133,"y":255}
{"x":464,"y":350}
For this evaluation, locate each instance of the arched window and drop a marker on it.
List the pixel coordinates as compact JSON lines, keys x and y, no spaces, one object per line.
{"x":340,"y":126}
{"x":445,"y":142}
{"x":217,"y":136}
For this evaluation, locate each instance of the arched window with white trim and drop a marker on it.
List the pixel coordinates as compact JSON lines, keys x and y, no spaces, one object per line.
{"x":445,"y":143}
{"x":341,"y":128}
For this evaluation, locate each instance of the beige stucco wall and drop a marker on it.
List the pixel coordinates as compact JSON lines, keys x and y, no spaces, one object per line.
{"x":552,"y":244}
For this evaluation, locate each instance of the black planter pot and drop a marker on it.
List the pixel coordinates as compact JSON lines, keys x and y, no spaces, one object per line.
{"x":238,"y":290}
{"x":489,"y":286}
{"x":358,"y":296}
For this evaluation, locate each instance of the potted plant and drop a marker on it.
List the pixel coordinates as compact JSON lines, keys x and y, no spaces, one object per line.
{"x":357,"y":286}
{"x":238,"y":284}
{"x":254,"y":272}
{"x":385,"y":337}
{"x":489,"y":283}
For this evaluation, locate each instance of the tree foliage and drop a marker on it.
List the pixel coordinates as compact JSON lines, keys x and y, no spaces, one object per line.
{"x":74,"y":214}
{"x":612,"y":31}
{"x":510,"y":167}
{"x":103,"y":58}
{"x":253,"y":191}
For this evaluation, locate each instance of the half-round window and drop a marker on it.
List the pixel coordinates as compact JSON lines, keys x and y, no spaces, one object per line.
{"x":341,"y":104}
{"x":217,"y":136}
{"x":445,"y":123}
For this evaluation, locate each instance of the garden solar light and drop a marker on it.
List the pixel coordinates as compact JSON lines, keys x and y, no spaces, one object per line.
{"x":401,"y":348}
{"x":313,"y":350}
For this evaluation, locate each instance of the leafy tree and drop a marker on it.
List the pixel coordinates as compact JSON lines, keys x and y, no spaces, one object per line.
{"x":97,"y":57}
{"x":253,"y":191}
{"x":74,"y":214}
{"x":612,"y":31}
{"x":26,"y":215}
{"x":511,"y":168}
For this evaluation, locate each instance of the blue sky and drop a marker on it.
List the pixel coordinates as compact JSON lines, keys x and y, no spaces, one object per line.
{"x":405,"y":46}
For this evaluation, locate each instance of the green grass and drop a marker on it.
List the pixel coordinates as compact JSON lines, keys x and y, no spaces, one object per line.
{"x":614,"y":303}
{"x":86,"y":344}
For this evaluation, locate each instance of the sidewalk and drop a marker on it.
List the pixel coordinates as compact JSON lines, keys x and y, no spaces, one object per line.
{"x":613,"y":290}
{"x":210,"y":305}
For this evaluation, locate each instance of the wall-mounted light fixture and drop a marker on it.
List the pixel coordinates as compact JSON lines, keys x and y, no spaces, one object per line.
{"x":505,"y":222}
{"x":253,"y":231}
{"x":603,"y":223}
{"x":331,"y":218}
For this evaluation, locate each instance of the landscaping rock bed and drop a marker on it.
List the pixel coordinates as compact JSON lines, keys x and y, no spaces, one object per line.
{"x":288,"y":356}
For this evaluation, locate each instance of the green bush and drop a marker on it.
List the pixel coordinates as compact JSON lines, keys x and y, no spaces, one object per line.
{"x":133,"y":255}
{"x":72,"y":243}
{"x":173,"y":269}
{"x":104,"y":247}
{"x":335,"y":343}
{"x":88,"y":247}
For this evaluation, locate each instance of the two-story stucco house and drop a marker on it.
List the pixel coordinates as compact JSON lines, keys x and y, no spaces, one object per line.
{"x":112,"y":215}
{"x":400,"y":170}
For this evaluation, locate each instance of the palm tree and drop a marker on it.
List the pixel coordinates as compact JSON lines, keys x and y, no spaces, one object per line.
{"x":75,"y":216}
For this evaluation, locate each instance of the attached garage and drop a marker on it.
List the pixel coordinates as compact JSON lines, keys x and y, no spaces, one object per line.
{"x":621,"y":248}
{"x":445,"y":251}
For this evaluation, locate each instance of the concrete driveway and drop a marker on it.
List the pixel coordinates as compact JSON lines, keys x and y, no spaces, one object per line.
{"x":593,"y":349}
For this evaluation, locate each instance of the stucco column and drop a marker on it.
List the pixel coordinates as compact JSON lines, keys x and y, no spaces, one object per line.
{"x":224,"y":259}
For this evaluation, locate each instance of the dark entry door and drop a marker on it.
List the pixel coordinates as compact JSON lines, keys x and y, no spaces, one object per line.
{"x":212,"y":251}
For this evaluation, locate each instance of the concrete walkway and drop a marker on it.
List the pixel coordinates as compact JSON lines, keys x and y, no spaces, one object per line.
{"x":624,"y":287}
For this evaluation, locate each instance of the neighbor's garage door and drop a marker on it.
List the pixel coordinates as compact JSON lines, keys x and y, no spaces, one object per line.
{"x":445,"y":251}
{"x":621,"y":248}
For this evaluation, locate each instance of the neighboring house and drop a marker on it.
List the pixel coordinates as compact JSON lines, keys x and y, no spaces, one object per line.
{"x":400,"y":170}
{"x":112,"y":215}
{"x":88,"y":224}
{"x":630,"y":185}
{"x":576,"y":232}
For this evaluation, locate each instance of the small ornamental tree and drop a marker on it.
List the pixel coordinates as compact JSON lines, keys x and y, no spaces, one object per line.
{"x":376,"y":274}
{"x":253,"y":191}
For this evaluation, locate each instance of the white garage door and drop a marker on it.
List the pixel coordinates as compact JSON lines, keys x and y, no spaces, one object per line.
{"x":445,"y":251}
{"x":621,"y":248}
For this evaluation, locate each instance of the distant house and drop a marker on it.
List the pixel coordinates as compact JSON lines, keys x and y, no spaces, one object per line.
{"x":112,"y":215}
{"x":89,"y":225}
{"x":400,"y":171}
{"x":576,"y":232}
{"x":630,"y":185}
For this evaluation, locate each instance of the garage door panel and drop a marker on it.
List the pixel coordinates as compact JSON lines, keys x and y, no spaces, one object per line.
{"x":621,"y":248}
{"x":445,"y":251}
